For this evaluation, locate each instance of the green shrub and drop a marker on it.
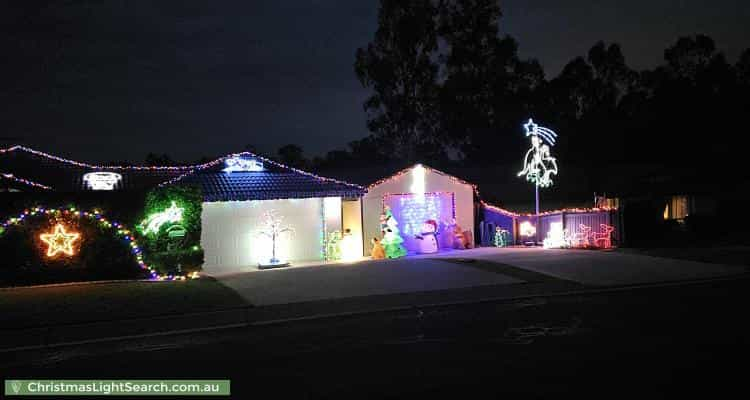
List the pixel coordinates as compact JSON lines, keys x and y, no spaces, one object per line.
{"x":173,"y":255}
{"x":99,"y":253}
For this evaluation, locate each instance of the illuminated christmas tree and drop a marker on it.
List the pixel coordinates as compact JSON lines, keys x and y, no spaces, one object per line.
{"x":272,"y":229}
{"x":392,"y":240}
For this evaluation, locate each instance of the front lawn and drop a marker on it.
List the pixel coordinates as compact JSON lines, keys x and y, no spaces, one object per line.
{"x":89,"y":302}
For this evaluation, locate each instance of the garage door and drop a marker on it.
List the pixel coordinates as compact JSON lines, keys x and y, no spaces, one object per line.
{"x":231,"y":232}
{"x":412,"y":210}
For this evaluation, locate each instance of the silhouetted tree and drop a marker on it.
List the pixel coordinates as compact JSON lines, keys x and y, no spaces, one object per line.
{"x":487,"y":89}
{"x":153,"y":159}
{"x":399,"y":66}
{"x":293,"y":156}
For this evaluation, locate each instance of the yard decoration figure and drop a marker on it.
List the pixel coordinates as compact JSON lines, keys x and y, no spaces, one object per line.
{"x":392,"y":240}
{"x":580,"y":238}
{"x":538,"y":163}
{"x":377,"y":252}
{"x":428,"y":237}
{"x":333,"y":245}
{"x":459,"y":240}
{"x":603,"y":238}
{"x":501,"y":237}
{"x":557,"y":237}
{"x":273,"y":230}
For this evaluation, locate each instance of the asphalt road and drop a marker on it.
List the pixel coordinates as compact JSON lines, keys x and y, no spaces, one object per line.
{"x":643,"y":343}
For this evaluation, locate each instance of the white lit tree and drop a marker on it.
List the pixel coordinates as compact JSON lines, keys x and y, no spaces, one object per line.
{"x":273,"y":229}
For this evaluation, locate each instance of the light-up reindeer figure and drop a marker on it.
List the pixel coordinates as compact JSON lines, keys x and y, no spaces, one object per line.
{"x":155,"y":221}
{"x":273,"y":230}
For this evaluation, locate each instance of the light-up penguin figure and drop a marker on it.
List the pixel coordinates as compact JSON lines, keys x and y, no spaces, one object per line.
{"x":539,"y":165}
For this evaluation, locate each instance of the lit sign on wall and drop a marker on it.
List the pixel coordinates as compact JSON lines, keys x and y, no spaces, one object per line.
{"x":101,"y":180}
{"x":239,"y":164}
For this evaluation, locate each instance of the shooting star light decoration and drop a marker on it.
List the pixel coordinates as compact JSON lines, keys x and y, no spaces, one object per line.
{"x":539,"y":165}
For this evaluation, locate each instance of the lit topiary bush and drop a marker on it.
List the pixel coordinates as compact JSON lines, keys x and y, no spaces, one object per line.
{"x":170,"y":229}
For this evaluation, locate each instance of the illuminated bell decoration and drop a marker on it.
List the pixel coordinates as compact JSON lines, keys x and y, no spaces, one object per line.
{"x":239,"y":164}
{"x":101,"y":180}
{"x":527,"y":229}
{"x":59,"y":241}
{"x":539,"y":165}
{"x":155,"y":221}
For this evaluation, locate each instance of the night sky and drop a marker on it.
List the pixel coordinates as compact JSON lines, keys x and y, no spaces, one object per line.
{"x":114,"y":80}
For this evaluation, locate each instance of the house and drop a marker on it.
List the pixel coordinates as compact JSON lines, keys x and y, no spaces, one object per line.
{"x":256,"y":210}
{"x":239,"y":192}
{"x":23,"y":169}
{"x":416,"y":195}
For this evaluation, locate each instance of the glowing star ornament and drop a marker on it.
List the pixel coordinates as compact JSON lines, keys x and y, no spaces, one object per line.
{"x":101,"y":180}
{"x":155,"y":221}
{"x":59,"y":241}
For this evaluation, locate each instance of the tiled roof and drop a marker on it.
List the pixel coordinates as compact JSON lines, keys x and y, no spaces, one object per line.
{"x":276,"y":181}
{"x":240,"y":186}
{"x":27,"y":169}
{"x":40,"y":170}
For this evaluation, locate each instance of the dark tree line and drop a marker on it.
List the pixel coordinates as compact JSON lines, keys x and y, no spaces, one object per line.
{"x":444,"y":83}
{"x":446,"y":87}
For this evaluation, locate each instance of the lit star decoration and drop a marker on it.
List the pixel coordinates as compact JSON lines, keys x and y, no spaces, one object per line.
{"x":59,"y":241}
{"x":539,"y":165}
{"x":155,"y":221}
{"x":94,"y":216}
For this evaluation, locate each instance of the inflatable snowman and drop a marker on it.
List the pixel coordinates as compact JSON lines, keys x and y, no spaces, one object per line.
{"x":428,"y":237}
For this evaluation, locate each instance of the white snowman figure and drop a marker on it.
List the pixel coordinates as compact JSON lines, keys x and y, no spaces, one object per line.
{"x":428,"y":237}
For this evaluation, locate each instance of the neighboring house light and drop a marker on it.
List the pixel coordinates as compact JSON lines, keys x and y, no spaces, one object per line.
{"x":676,"y":208}
{"x":101,"y":180}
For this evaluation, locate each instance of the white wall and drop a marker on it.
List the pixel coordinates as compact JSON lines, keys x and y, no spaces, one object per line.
{"x":231,"y":232}
{"x":372,"y":202}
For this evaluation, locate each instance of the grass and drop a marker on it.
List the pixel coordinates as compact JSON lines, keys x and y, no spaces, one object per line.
{"x":89,"y":302}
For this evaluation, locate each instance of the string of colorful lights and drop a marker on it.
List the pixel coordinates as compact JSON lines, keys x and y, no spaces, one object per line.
{"x":92,"y":166}
{"x":24,"y":181}
{"x":95,"y":216}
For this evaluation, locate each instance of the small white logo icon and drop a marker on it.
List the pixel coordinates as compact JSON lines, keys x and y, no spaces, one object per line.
{"x":16,"y":386}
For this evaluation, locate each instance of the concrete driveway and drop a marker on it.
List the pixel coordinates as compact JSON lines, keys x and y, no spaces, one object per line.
{"x":493,"y":267}
{"x":600,"y":268}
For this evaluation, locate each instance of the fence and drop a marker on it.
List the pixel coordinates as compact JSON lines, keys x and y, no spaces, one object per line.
{"x":588,"y":224}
